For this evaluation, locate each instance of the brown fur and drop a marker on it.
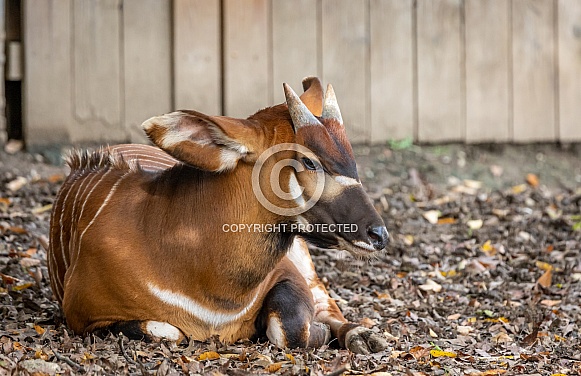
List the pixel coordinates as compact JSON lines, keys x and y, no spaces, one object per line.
{"x":131,"y":217}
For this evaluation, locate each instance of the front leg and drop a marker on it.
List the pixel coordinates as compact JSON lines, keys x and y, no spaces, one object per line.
{"x":349,"y":335}
{"x":286,"y":316}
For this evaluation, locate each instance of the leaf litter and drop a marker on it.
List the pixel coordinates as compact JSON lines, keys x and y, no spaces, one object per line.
{"x":483,"y":276}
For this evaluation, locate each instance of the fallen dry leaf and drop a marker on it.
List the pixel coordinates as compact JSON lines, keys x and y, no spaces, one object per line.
{"x":545,"y":279}
{"x":40,"y":330}
{"x":475,"y":184}
{"x":475,"y":224}
{"x":18,"y":230}
{"x":464,"y":329}
{"x":274,"y":367}
{"x":420,"y":353}
{"x":440,"y":353}
{"x":432,"y":216}
{"x":367,"y":322}
{"x":209,"y":355}
{"x":446,"y":221}
{"x":518,"y":189}
{"x":490,"y":372}
{"x":29,"y":262}
{"x":544,"y":265}
{"x":13,"y":146}
{"x":23,"y":286}
{"x":17,"y":184}
{"x":533,"y":180}
{"x":42,"y":209}
{"x":408,"y":240}
{"x":8,"y":280}
{"x":496,"y":170}
{"x":430,"y":285}
{"x":501,"y":338}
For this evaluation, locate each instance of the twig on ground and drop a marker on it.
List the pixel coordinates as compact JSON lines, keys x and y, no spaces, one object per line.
{"x":339,"y":371}
{"x":68,"y":361}
{"x":138,"y":363}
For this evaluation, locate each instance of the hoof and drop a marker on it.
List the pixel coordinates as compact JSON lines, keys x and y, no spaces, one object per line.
{"x":361,"y":340}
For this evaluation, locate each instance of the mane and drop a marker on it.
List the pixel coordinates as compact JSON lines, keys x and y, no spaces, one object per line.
{"x":101,"y":158}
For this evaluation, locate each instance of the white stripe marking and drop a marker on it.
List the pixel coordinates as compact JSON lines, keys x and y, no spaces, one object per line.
{"x":85,"y":203}
{"x":54,"y":269}
{"x":105,"y":202}
{"x":296,"y":190}
{"x":212,"y":318}
{"x":87,"y":182}
{"x":63,"y":209}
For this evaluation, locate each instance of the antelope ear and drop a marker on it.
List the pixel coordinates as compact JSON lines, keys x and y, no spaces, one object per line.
{"x":313,"y":95}
{"x":210,"y":143}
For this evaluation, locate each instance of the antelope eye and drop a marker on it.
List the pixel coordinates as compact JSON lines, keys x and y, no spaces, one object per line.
{"x":309,"y":164}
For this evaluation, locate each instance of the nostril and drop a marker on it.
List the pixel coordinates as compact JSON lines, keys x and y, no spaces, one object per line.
{"x":378,"y":236}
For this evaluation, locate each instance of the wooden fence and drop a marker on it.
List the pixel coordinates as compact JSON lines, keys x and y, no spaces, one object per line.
{"x":434,"y":70}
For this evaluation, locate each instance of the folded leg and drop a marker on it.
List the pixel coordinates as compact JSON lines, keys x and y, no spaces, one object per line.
{"x":349,"y":335}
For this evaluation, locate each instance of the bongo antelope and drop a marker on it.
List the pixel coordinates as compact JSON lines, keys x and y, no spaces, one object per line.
{"x":137,"y":240}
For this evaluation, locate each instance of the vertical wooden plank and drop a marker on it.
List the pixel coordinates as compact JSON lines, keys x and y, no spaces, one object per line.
{"x":569,"y":39}
{"x":247,"y":76}
{"x":533,"y":70}
{"x":147,"y":63}
{"x":2,"y":62}
{"x":295,"y":44}
{"x":487,"y":70}
{"x":197,"y":55}
{"x":47,"y":84}
{"x":96,"y":71}
{"x":440,"y":81}
{"x":391,"y":70}
{"x":345,"y":44}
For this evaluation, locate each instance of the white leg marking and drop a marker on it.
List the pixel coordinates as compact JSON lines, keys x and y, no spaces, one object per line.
{"x":346,"y":181}
{"x":163,"y":330}
{"x":212,"y":318}
{"x":274,"y":331}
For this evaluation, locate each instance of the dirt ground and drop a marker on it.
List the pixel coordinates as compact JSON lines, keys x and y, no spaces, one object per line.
{"x":483,"y":275}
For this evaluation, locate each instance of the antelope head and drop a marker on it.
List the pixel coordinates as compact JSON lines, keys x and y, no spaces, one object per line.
{"x":342,"y":205}
{"x":319,"y":191}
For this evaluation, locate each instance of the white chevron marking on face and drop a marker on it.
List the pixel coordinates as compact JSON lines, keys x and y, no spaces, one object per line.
{"x":346,"y":181}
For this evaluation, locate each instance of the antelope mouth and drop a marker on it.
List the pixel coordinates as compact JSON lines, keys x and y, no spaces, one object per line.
{"x":358,"y":248}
